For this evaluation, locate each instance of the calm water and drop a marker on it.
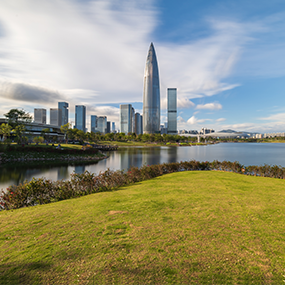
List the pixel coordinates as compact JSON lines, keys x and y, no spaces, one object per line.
{"x":245,"y":153}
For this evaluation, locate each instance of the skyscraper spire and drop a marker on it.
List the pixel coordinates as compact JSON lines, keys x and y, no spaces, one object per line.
{"x":151,"y":94}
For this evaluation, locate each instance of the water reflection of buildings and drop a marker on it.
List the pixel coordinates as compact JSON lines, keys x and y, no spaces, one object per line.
{"x":62,"y":173}
{"x":146,"y":156}
{"x":79,"y":169}
{"x":130,"y":157}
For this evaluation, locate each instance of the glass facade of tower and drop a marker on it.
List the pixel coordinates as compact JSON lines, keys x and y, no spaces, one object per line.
{"x":63,"y":106}
{"x":172,"y":111}
{"x":126,"y":115}
{"x":138,"y":124}
{"x":40,"y":116}
{"x":80,"y":117}
{"x":102,"y":124}
{"x":55,"y":116}
{"x":151,"y":94}
{"x":93,"y":123}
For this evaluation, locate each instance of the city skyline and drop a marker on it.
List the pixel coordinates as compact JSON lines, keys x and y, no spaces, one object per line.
{"x":226,"y":58}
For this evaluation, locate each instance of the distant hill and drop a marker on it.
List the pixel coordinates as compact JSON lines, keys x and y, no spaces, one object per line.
{"x":227,"y":131}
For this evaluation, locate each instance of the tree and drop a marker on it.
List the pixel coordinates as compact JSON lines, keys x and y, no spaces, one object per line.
{"x":71,"y":133}
{"x":45,"y":133}
{"x":17,"y":117}
{"x":38,"y":140}
{"x":64,"y":129}
{"x":80,"y":135}
{"x":19,"y":132}
{"x":5,"y":130}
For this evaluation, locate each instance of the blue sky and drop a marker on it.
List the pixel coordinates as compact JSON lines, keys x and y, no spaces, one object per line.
{"x":226,"y":58}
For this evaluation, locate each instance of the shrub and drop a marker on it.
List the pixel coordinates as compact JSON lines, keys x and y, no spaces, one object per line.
{"x":43,"y":191}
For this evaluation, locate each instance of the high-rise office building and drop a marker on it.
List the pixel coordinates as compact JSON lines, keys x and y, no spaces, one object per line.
{"x":126,"y":118}
{"x":138,"y":124}
{"x":113,"y":127}
{"x":133,"y":120}
{"x":40,"y":115}
{"x":151,"y":94}
{"x":172,"y":111}
{"x":102,"y":124}
{"x":108,"y":130}
{"x":93,"y":123}
{"x":55,"y":116}
{"x":80,"y":117}
{"x":63,"y":106}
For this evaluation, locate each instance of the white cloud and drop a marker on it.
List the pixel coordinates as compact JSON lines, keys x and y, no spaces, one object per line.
{"x":193,"y":120}
{"x":209,"y":106}
{"x":92,"y":45}
{"x":101,"y":47}
{"x":275,"y":117}
{"x":180,"y":119}
{"x":184,"y":103}
{"x":221,"y":120}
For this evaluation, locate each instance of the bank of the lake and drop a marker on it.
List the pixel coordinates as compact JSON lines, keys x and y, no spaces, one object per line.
{"x":48,"y":153}
{"x":166,"y":230}
{"x":126,"y":157}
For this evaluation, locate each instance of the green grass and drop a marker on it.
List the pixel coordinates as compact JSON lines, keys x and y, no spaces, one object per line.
{"x":188,"y":227}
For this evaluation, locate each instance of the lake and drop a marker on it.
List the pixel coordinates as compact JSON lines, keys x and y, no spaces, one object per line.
{"x":124,"y":158}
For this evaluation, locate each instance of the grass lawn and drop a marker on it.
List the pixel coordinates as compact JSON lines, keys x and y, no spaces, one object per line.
{"x":202,"y":227}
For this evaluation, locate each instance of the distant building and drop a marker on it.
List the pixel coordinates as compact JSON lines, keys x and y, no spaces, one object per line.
{"x":113,"y":127}
{"x":63,"y":106}
{"x":205,"y":131}
{"x":126,"y":118}
{"x":108,"y":130}
{"x":172,"y":111}
{"x":138,"y":124}
{"x":40,"y":116}
{"x":102,"y":124}
{"x":93,"y":123}
{"x":163,"y":130}
{"x":133,"y":120}
{"x":33,"y":129}
{"x":80,"y":117}
{"x":55,"y":117}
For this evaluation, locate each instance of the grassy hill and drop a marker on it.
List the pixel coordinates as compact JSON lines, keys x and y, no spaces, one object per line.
{"x":187,"y":227}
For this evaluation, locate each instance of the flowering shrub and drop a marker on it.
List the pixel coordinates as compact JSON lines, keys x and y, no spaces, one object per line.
{"x":43,"y":191}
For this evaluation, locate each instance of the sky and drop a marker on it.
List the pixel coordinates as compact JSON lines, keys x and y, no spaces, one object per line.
{"x":225,"y":57}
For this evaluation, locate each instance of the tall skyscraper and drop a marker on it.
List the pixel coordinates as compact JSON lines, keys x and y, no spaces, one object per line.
{"x":126,"y":115}
{"x":55,"y":116}
{"x":63,"y":106}
{"x":151,"y":94}
{"x":93,"y":123}
{"x":113,"y":127}
{"x":40,"y":116}
{"x":172,"y":111}
{"x":80,"y":117}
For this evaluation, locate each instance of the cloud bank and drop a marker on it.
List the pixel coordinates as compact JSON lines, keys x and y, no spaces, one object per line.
{"x":101,"y":46}
{"x":209,"y":106}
